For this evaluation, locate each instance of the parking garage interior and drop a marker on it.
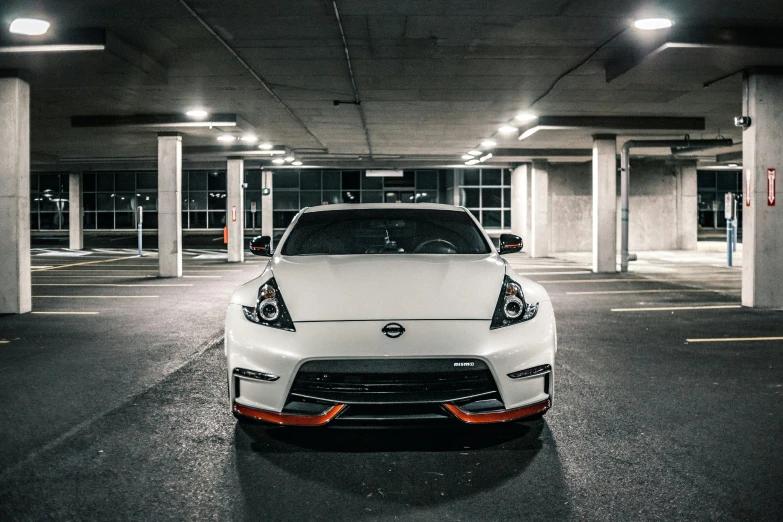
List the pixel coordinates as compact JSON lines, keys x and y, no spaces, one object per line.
{"x":634,"y":146}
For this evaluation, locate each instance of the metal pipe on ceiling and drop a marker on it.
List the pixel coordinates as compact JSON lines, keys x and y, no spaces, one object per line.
{"x":357,"y":99}
{"x":625,"y":171}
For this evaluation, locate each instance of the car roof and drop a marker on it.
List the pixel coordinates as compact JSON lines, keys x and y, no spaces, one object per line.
{"x":383,"y":206}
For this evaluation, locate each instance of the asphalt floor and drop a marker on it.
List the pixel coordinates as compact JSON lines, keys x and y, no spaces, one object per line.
{"x":667,"y":407}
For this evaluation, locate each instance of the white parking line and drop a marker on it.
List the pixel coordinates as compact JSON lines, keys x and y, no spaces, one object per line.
{"x":659,"y":291}
{"x":559,"y":281}
{"x":95,"y":296}
{"x":5,"y":342}
{"x":581,"y":272}
{"x":201,"y":277}
{"x":128,"y":276}
{"x":65,"y":313}
{"x":105,"y":284}
{"x":672,"y":308}
{"x":734,"y":339}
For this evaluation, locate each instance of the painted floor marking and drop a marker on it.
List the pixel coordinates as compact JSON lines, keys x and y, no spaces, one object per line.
{"x":5,"y":342}
{"x":65,"y":313}
{"x":734,"y":339}
{"x":559,"y":281}
{"x":580,"y":272}
{"x":65,"y":276}
{"x":96,"y":296}
{"x":106,"y":284}
{"x":81,"y":264}
{"x":202,"y":277}
{"x":673,"y":308}
{"x":609,"y":292}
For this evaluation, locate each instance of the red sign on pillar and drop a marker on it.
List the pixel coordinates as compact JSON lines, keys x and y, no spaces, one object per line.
{"x":771,"y":183}
{"x":233,"y":213}
{"x":747,"y":187}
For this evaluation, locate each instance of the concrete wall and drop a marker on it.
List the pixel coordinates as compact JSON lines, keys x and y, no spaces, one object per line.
{"x":663,"y":209}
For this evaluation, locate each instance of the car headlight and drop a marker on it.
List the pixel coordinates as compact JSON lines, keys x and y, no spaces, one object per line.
{"x":512,"y":307}
{"x":270,"y":309}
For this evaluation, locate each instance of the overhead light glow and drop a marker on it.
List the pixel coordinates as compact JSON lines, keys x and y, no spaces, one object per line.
{"x":249,"y":138}
{"x":265,"y":146}
{"x":226,"y":137}
{"x":29,"y":26}
{"x":51,"y":48}
{"x":507,"y":129}
{"x":467,"y":156}
{"x":525,"y":116}
{"x":278,"y":161}
{"x":474,"y":152}
{"x":197,"y":113}
{"x":733,"y":165}
{"x":296,"y":163}
{"x":651,"y":24}
{"x":472,"y":162}
{"x":289,"y":159}
{"x":482,"y":159}
{"x":488,"y":143}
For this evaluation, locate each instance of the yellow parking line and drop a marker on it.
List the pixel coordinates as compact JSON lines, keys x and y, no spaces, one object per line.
{"x":96,"y":296}
{"x":734,"y":339}
{"x":65,"y":313}
{"x":105,"y":284}
{"x":672,"y":308}
{"x":609,"y":292}
{"x":84,"y":263}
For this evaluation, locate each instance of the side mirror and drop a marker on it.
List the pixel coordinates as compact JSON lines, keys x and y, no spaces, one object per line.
{"x":261,"y":246}
{"x":509,"y":243}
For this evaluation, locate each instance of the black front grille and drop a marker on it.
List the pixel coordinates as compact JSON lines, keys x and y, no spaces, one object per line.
{"x":389,"y":381}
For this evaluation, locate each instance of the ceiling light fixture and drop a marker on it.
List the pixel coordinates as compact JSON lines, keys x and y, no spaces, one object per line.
{"x":488,"y":143}
{"x":651,"y":24}
{"x":474,"y":152}
{"x":226,"y":137}
{"x":278,"y":161}
{"x":525,"y":116}
{"x":196,"y":113}
{"x":507,"y":129}
{"x":29,"y":26}
{"x":249,"y":138}
{"x":482,"y":159}
{"x":296,"y":163}
{"x":471,"y":162}
{"x":733,"y":165}
{"x":288,"y":159}
{"x":467,"y":156}
{"x":265,"y":146}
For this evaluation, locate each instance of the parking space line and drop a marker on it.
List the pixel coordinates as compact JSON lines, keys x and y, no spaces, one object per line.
{"x":734,"y":339}
{"x":564,"y":281}
{"x":5,"y":342}
{"x":128,"y":276}
{"x":81,"y":264}
{"x":107,"y":284}
{"x":65,"y":313}
{"x":672,"y":308}
{"x":202,"y":277}
{"x":581,"y":272}
{"x":96,"y":296}
{"x":657,"y":291}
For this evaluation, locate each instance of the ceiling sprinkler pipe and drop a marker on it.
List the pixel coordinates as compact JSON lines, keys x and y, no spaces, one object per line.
{"x":625,"y":171}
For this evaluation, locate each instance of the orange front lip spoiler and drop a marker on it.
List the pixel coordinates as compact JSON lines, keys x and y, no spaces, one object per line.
{"x":498,"y":416}
{"x":287,"y":419}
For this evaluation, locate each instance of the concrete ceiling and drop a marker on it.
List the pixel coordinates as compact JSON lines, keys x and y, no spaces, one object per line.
{"x":434,"y":78}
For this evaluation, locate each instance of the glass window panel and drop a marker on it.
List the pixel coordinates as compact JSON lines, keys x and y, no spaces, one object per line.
{"x":284,"y":180}
{"x":506,"y":219}
{"x":197,"y":180}
{"x":331,"y":197}
{"x":372,"y":183}
{"x":217,"y":219}
{"x":706,"y":199}
{"x":64,"y":223}
{"x":476,"y":213}
{"x":216,"y":180}
{"x":125,"y":181}
{"x":148,"y":180}
{"x":124,"y":220}
{"x":34,"y":199}
{"x":125,"y":201}
{"x":426,"y":179}
{"x":705,"y":179}
{"x":34,"y":221}
{"x":469,"y":197}
{"x":151,"y":220}
{"x":197,"y":201}
{"x":310,"y":180}
{"x":707,"y":219}
{"x":88,"y":182}
{"x":408,"y":179}
{"x":198,"y":219}
{"x":185,"y":220}
{"x":33,"y":182}
{"x":281,"y":219}
{"x":491,"y":177}
{"x":88,"y":201}
{"x":49,"y":220}
{"x":49,"y":183}
{"x":507,"y":176}
{"x":351,"y":180}
{"x":506,"y":197}
{"x":350,"y":197}
{"x":47,"y":203}
{"x":285,"y":200}
{"x":372,"y":196}
{"x":310,"y":198}
{"x":105,"y":181}
{"x":105,"y":201}
{"x":491,"y":219}
{"x":425,"y":197}
{"x":331,"y":179}
{"x":217,"y":201}
{"x":250,"y":197}
{"x":728,"y":181}
{"x":148,"y":202}
{"x":491,"y":197}
{"x":471,"y":177}
{"x":105,"y":220}
{"x":253,"y":179}
{"x":89,"y":221}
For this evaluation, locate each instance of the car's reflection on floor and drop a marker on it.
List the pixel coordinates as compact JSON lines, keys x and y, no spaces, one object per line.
{"x":340,"y":473}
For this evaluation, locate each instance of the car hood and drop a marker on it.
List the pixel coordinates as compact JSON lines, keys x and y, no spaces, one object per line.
{"x":389,"y":287}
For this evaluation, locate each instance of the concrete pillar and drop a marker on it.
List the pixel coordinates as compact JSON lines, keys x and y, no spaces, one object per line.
{"x":762,"y":229}
{"x":266,"y":204}
{"x":604,"y":203}
{"x":235,"y":210}
{"x":539,"y":197}
{"x":687,"y":206}
{"x":75,"y":212}
{"x":169,"y":204}
{"x":15,"y":282}
{"x":519,"y":202}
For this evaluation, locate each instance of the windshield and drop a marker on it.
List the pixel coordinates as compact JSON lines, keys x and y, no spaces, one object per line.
{"x":385,"y":231}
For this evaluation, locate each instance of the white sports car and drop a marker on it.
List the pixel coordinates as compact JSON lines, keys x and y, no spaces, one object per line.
{"x":389,"y":312}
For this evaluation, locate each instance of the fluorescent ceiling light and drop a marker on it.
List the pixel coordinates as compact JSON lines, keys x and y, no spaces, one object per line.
{"x":474,"y":152}
{"x":51,"y":48}
{"x":226,"y":137}
{"x":265,"y":146}
{"x":296,"y":163}
{"x":249,"y":138}
{"x":384,"y":173}
{"x":507,"y":129}
{"x":525,"y":116}
{"x":651,"y":24}
{"x":29,"y":26}
{"x":197,"y":113}
{"x":488,"y":143}
{"x":278,"y":161}
{"x":289,"y":159}
{"x":733,"y":165}
{"x":471,"y":162}
{"x":467,"y":156}
{"x":482,"y":159}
